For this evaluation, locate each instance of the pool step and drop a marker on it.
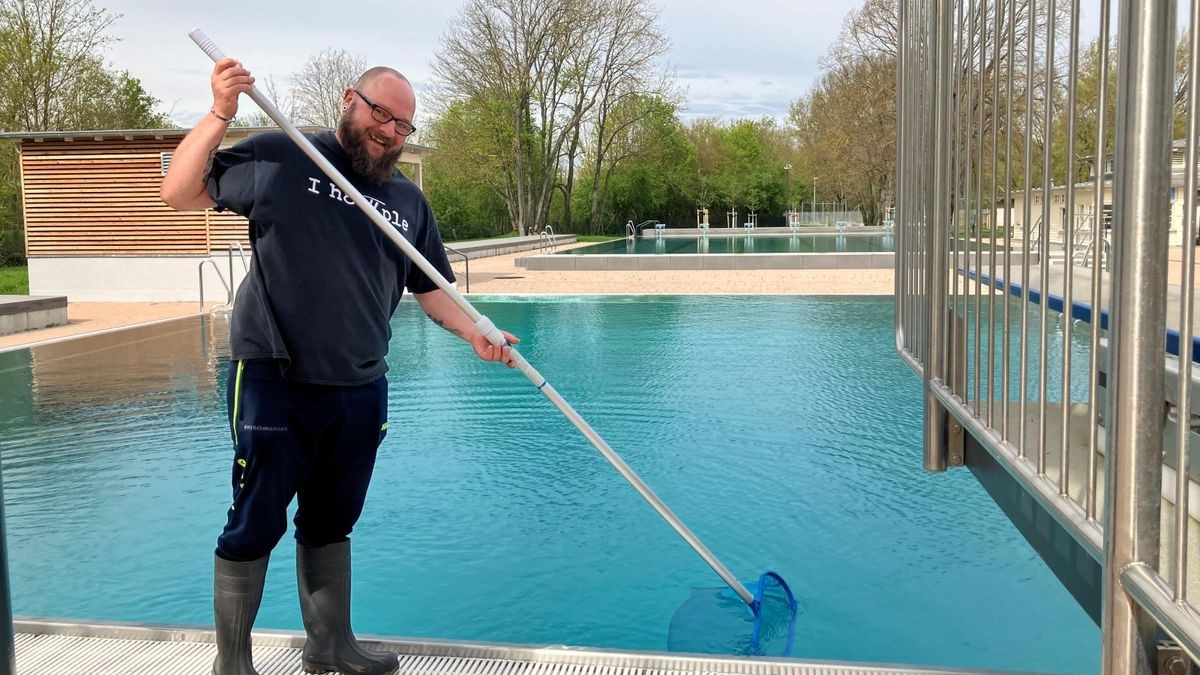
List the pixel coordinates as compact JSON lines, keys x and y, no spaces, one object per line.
{"x":54,"y":648}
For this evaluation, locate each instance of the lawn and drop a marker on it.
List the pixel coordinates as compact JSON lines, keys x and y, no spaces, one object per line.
{"x":14,"y":281}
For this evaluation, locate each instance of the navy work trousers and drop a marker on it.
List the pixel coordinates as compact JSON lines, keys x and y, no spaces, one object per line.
{"x":313,"y":442}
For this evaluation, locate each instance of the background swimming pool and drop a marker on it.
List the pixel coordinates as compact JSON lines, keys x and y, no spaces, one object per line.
{"x":783,"y":430}
{"x":801,"y":243}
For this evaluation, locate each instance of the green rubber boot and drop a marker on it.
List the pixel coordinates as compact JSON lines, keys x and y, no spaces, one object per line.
{"x":323,"y":578}
{"x":237,"y":592}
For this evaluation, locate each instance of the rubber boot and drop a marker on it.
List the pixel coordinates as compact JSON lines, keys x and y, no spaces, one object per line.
{"x":323,"y":578}
{"x":237,"y":592}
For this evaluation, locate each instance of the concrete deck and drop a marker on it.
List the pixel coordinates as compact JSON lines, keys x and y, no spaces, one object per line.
{"x":20,"y":313}
{"x":45,"y":648}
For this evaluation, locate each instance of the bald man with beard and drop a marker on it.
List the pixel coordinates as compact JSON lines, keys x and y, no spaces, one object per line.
{"x":307,"y":394}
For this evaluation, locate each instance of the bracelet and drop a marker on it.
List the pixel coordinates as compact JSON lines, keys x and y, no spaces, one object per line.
{"x":226,"y":120}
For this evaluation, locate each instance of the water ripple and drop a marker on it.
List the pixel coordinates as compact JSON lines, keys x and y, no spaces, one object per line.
{"x":783,"y":431}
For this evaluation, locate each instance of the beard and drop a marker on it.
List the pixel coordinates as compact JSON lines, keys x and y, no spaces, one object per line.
{"x":356,"y":141}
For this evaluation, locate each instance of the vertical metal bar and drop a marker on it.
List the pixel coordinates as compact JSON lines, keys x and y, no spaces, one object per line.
{"x":982,"y":28}
{"x":913,"y":181}
{"x":1022,"y":377}
{"x":1092,"y":506}
{"x":935,"y":268}
{"x":1008,"y":210}
{"x":959,"y":166}
{"x":991,"y":322}
{"x":925,"y":35}
{"x":961,"y":361}
{"x":1069,"y":253}
{"x":1044,"y":237}
{"x":899,"y":292}
{"x":1139,"y":283}
{"x":907,"y":172}
{"x":1187,"y":296}
{"x":917,"y":195}
{"x":925,"y":199}
{"x":8,"y":650}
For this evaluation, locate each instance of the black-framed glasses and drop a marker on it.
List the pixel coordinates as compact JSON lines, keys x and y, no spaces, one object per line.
{"x":383,"y":116}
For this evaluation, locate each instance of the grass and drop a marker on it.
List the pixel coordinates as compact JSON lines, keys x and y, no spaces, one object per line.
{"x":983,"y":232}
{"x":595,"y":237}
{"x":14,"y":281}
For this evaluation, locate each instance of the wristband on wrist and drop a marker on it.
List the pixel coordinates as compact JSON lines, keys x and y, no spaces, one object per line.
{"x":217,"y":115}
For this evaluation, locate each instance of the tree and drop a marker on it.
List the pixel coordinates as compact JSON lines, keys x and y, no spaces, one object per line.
{"x":545,"y":67}
{"x":628,"y":89}
{"x":649,"y":172}
{"x":846,"y":127}
{"x":56,"y":79}
{"x":316,"y":95}
{"x":466,"y":181}
{"x":50,"y":50}
{"x":251,"y":116}
{"x":12,"y":231}
{"x":859,"y":80}
{"x":658,"y":180}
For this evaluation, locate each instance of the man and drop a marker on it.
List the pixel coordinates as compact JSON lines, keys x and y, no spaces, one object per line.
{"x":307,"y":394}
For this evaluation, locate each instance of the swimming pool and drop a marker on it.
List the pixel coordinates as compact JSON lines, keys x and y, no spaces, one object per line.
{"x":783,"y":430}
{"x":806,"y":243}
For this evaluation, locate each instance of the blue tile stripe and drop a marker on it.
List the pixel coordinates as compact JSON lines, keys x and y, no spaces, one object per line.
{"x":1079,"y":310}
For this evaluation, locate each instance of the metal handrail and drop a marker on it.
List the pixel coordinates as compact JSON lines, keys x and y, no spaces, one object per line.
{"x":641,"y":227}
{"x":245,"y":269}
{"x":241,"y":254}
{"x":467,"y":260}
{"x":1105,"y":253}
{"x":630,"y":233}
{"x":221,"y":278}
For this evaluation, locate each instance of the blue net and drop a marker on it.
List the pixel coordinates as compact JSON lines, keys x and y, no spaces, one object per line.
{"x":717,"y":621}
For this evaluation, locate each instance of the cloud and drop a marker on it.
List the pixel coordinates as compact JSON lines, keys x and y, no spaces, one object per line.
{"x":751,"y":57}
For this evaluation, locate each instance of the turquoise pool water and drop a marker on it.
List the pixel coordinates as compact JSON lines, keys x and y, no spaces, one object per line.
{"x":783,"y":430}
{"x":801,"y":243}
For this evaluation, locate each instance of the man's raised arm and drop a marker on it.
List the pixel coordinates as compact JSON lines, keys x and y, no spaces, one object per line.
{"x":185,"y":187}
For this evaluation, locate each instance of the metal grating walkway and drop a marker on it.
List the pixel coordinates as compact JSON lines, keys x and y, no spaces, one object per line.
{"x":47,"y":648}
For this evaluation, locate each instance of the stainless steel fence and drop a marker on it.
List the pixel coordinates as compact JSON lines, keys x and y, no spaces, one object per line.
{"x":1046,"y":213}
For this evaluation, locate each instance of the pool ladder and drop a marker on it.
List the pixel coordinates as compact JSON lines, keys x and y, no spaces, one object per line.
{"x":546,"y":239}
{"x":226,"y":283}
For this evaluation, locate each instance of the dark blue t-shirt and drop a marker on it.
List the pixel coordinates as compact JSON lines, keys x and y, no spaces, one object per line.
{"x":324,"y":280}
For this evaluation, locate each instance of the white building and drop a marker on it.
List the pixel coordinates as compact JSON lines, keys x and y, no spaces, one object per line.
{"x":1085,"y":205}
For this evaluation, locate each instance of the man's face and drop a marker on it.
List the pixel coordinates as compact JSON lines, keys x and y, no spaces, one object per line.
{"x":375,"y":146}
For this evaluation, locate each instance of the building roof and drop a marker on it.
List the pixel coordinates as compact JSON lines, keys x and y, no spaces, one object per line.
{"x":161,"y":134}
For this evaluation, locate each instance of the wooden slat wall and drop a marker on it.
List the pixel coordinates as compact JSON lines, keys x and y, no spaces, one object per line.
{"x":89,"y":197}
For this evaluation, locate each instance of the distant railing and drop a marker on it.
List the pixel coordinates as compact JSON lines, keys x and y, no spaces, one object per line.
{"x":641,"y":227}
{"x":467,"y":261}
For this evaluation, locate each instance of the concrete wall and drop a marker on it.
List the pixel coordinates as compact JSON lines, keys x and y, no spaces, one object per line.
{"x":130,"y":278}
{"x":28,"y":312}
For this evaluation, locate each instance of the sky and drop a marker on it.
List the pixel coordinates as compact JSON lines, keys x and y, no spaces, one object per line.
{"x":748,"y":58}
